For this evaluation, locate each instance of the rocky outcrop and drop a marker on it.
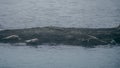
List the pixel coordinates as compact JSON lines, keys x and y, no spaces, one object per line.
{"x":60,"y":35}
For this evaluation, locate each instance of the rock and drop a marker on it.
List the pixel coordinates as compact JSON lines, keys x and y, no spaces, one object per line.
{"x":61,"y":35}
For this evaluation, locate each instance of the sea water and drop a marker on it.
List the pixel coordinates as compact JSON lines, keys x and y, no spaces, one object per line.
{"x":16,"y":14}
{"x":61,"y":56}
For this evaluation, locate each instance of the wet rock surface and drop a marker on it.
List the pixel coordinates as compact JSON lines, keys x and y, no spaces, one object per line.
{"x":60,"y":35}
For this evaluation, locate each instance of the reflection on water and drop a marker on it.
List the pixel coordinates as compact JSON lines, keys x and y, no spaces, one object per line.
{"x":65,"y":13}
{"x":58,"y":57}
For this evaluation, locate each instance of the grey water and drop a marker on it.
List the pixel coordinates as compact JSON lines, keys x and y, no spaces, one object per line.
{"x":15,"y":14}
{"x":63,"y":13}
{"x":58,"y":57}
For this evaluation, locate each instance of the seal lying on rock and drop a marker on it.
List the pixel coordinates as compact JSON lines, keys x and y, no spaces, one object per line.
{"x":12,"y":38}
{"x":32,"y":41}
